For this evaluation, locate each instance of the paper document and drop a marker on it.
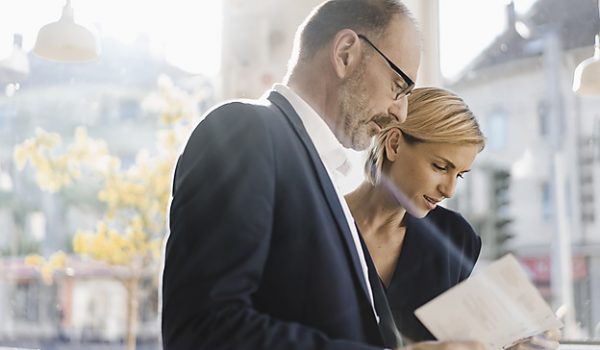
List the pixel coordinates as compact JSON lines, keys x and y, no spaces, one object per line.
{"x":497,"y":306}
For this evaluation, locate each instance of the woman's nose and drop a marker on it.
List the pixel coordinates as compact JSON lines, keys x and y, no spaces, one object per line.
{"x":448,"y":187}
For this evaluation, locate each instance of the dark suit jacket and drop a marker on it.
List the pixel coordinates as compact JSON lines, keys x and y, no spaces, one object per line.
{"x":438,"y":252}
{"x":259,"y":254}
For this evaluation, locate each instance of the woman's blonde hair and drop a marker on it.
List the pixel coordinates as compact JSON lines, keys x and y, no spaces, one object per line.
{"x":435,"y":115}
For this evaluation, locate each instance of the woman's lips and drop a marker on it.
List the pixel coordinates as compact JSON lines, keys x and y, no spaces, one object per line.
{"x":431,"y":202}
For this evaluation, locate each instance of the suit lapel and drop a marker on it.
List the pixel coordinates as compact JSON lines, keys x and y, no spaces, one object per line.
{"x":325,"y":181}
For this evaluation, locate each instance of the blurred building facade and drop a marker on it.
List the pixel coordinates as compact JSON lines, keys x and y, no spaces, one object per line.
{"x":105,"y":96}
{"x":87,"y":303}
{"x":258,"y":38}
{"x":520,"y":89}
{"x":257,"y":42}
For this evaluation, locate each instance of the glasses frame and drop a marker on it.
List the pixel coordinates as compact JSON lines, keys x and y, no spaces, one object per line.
{"x":410,"y":84}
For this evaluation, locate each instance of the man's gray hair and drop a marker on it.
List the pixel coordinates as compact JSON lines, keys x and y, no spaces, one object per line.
{"x":368,"y":17}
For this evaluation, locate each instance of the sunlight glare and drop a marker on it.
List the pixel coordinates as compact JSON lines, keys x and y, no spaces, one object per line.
{"x":469,"y":26}
{"x":186,"y":33}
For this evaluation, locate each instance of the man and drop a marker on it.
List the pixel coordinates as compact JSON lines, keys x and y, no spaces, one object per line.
{"x":263,"y":252}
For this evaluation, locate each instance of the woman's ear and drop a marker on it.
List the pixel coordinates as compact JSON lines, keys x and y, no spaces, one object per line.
{"x":345,"y":52}
{"x":392,"y":144}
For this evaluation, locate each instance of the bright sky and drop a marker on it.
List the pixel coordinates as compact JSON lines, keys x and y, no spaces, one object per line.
{"x":188,"y":32}
{"x":468,"y":26}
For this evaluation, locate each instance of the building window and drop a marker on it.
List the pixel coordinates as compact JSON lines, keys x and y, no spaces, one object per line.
{"x":496,"y":130}
{"x":129,"y":109}
{"x":547,"y":208}
{"x":543,"y":117}
{"x":26,"y":298}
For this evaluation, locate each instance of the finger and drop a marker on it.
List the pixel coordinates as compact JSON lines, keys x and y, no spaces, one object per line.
{"x":553,"y":334}
{"x":446,"y":345}
{"x":536,"y":343}
{"x":546,"y":340}
{"x":464,"y":345}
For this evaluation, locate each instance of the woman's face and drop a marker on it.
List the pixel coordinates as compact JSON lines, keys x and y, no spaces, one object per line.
{"x":427,"y":173}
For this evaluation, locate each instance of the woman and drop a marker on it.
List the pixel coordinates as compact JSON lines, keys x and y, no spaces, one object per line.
{"x":419,"y":248}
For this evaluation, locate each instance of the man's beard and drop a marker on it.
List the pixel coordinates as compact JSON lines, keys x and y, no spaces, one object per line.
{"x":354,"y":111}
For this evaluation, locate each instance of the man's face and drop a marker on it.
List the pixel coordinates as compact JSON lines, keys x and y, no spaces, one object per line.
{"x":360,"y":124}
{"x":368,"y":99}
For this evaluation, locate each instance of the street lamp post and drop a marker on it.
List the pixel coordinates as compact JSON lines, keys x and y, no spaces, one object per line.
{"x":561,"y":257}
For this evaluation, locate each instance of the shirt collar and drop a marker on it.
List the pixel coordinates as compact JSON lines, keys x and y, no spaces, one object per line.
{"x":330,"y":150}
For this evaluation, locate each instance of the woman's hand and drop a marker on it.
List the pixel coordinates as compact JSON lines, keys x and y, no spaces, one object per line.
{"x":546,"y":341}
{"x":445,"y":345}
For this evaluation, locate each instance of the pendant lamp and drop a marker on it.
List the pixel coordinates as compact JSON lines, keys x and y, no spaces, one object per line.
{"x":586,"y":81}
{"x":66,"y":41}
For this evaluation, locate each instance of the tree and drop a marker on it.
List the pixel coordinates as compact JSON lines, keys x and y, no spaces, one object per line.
{"x":130,"y":233}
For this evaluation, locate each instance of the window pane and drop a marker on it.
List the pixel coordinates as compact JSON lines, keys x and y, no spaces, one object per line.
{"x":518,"y":77}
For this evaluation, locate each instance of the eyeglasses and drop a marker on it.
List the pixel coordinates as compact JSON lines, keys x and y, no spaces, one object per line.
{"x":409,"y":84}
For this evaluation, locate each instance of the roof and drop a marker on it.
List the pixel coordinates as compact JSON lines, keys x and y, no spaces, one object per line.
{"x":576,"y":22}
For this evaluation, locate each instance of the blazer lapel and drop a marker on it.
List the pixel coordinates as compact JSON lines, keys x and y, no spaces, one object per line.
{"x":387,"y":327}
{"x":325,"y":181}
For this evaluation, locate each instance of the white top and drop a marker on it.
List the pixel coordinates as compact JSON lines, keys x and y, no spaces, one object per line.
{"x":336,"y":163}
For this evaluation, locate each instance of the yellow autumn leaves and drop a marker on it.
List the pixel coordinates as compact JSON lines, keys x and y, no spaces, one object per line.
{"x":55,"y":170}
{"x":132,"y":227}
{"x":117,"y":248}
{"x":47,"y":267}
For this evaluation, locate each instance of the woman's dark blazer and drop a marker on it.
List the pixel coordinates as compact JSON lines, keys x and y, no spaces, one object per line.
{"x":438,"y":252}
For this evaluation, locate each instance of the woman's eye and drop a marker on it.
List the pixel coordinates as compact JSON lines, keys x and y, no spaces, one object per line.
{"x":438,"y":167}
{"x":462,"y":176}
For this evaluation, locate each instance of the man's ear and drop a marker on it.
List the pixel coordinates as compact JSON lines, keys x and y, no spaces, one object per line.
{"x":393,"y":144}
{"x":345,"y":52}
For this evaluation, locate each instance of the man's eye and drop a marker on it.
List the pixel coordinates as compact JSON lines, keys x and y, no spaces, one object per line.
{"x":397,"y":90}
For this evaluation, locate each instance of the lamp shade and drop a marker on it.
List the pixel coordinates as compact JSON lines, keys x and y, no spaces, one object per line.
{"x":586,"y":81}
{"x":66,"y":41}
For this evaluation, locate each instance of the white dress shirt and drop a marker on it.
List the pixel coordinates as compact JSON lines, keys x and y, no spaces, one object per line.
{"x":336,"y":163}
